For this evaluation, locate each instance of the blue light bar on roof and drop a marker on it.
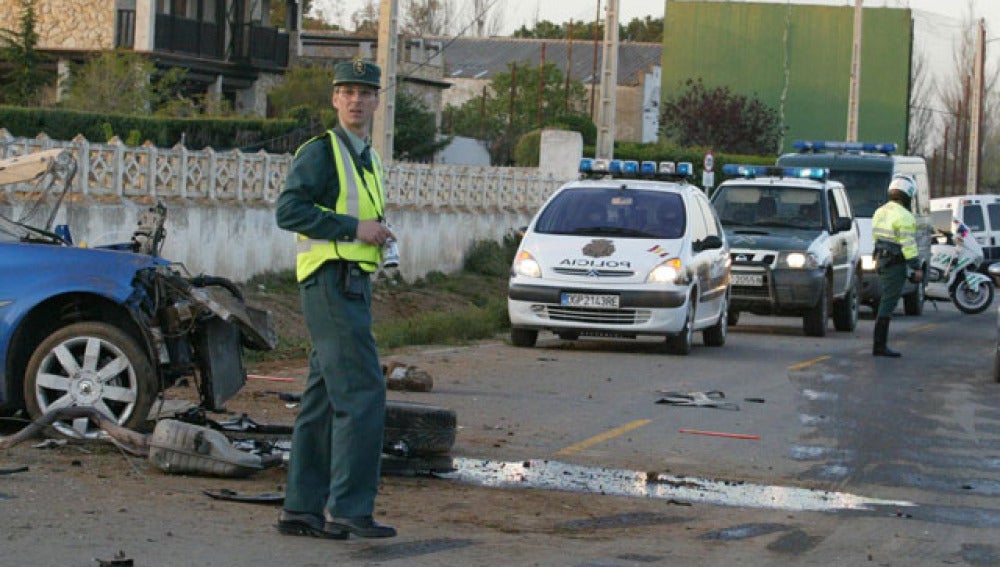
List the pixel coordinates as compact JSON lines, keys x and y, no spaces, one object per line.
{"x":630,"y":168}
{"x":615,"y":167}
{"x":751,"y":171}
{"x":586,"y":165}
{"x":685,"y":168}
{"x":647,"y":168}
{"x":817,"y":146}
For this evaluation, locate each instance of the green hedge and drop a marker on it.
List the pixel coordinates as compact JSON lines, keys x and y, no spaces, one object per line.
{"x":250,"y":134}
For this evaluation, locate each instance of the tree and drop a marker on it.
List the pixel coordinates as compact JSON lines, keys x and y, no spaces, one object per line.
{"x":416,"y":136}
{"x":511,"y":106}
{"x":21,"y":85}
{"x":921,"y":128}
{"x":426,"y":17}
{"x":647,"y":29}
{"x":486,"y":18}
{"x":720,"y":119}
{"x":122,"y":82}
{"x":304,"y":95}
{"x":365,"y":19}
{"x":954,"y":95}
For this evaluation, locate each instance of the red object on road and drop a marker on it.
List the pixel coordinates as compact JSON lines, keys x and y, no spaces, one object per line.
{"x":717,"y":434}
{"x":270,"y":378}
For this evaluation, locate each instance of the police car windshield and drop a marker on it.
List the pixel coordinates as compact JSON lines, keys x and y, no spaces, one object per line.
{"x":865,"y":189}
{"x":769,"y":206}
{"x":611,"y":211}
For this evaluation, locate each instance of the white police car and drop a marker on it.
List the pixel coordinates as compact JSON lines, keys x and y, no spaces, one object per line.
{"x":624,"y":251}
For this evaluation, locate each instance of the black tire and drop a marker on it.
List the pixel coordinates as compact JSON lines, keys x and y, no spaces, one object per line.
{"x":715,"y":336}
{"x":913,"y":302}
{"x":523,"y":337}
{"x":126,"y":397}
{"x":413,"y":429}
{"x":814,"y":321}
{"x":972,"y":302}
{"x":681,"y":342}
{"x":417,"y":466}
{"x":734,"y":317}
{"x":845,"y":310}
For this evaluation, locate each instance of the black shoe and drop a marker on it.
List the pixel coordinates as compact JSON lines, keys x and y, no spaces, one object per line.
{"x":885,"y":351}
{"x":365,"y":526}
{"x":303,"y":524}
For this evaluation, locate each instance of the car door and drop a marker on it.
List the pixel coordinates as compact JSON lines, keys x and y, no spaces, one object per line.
{"x":711,"y":263}
{"x":840,"y":241}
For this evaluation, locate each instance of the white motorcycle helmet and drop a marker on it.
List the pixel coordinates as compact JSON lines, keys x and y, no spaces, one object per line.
{"x":902,"y":186}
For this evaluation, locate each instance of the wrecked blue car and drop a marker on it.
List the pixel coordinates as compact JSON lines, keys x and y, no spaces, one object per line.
{"x":109,"y":327}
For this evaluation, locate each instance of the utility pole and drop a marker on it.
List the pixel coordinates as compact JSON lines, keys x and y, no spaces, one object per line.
{"x":609,"y":85}
{"x":852,"y":100}
{"x":388,"y":59}
{"x":976,"y":111}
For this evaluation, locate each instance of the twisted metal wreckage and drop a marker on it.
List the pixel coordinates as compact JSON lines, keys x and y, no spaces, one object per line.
{"x":90,"y":337}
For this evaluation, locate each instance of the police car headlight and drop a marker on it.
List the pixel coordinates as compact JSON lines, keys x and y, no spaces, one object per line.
{"x":798,"y":260}
{"x":525,"y":265}
{"x":868,"y":263}
{"x":667,"y":272}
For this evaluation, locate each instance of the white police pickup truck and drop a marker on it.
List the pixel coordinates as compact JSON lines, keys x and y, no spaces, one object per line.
{"x":627,"y":250}
{"x":794,"y":244}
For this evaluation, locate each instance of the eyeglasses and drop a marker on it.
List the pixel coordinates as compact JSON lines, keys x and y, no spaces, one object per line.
{"x":359,"y":92}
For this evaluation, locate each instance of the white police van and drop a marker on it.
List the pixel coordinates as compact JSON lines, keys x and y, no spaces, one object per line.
{"x":628,"y":250}
{"x":865,"y":169}
{"x":981,"y":213}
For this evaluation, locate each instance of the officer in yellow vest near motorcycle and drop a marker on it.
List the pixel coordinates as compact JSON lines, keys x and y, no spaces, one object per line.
{"x":894,"y":230}
{"x":333,"y":199}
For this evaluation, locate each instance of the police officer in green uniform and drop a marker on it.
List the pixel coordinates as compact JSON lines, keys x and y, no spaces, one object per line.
{"x":334,"y":202}
{"x":894,"y":230}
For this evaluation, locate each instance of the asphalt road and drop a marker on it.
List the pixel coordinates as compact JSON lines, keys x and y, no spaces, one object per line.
{"x":921,"y":433}
{"x":564,"y":457}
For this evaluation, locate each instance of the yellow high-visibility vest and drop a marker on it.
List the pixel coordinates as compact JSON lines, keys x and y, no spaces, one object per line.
{"x":360,"y":197}
{"x":893,"y":223}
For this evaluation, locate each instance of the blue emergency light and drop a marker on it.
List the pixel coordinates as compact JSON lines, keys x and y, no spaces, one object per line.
{"x":592,"y":167}
{"x":819,"y":146}
{"x":750,"y":171}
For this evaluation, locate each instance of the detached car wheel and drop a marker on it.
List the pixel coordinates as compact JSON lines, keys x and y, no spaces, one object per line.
{"x":90,"y":364}
{"x":415,"y":429}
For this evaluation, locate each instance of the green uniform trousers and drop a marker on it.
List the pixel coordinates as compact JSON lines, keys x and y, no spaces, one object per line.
{"x":337,"y":441}
{"x":891,"y":280}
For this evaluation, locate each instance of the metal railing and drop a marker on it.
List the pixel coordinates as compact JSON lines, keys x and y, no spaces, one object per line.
{"x":150,"y":173}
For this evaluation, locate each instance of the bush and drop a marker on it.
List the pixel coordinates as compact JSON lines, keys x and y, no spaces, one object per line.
{"x":491,"y":258}
{"x":527,"y":149}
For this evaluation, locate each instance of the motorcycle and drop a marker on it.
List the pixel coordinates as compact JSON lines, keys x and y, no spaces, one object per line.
{"x":954,"y":271}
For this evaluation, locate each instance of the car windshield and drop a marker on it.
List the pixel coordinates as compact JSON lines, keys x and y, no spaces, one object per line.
{"x":865,"y":189}
{"x":612,"y":211}
{"x":769,"y":206}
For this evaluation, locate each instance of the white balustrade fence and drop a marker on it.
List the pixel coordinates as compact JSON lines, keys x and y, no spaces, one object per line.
{"x":220,"y":218}
{"x":149,"y":172}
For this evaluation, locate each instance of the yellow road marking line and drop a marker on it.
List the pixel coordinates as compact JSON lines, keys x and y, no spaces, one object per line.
{"x":923,"y":327}
{"x":587,"y":443}
{"x":808,"y":363}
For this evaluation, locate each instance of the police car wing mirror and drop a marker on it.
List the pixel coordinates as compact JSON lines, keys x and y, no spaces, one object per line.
{"x":708,"y":243}
{"x":843,"y":224}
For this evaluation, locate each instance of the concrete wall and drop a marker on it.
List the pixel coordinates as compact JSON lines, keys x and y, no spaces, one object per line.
{"x":239,"y":242}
